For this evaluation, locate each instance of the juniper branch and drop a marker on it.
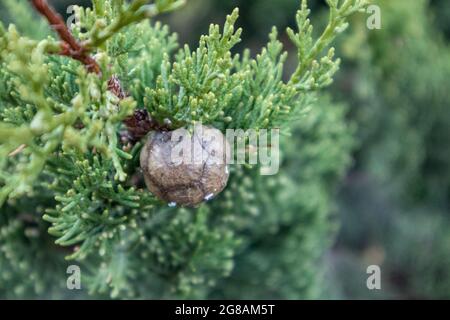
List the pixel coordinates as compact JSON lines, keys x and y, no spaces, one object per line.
{"x":312,"y":71}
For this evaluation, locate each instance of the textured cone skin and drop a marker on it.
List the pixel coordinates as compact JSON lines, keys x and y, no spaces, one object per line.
{"x":185,"y":169}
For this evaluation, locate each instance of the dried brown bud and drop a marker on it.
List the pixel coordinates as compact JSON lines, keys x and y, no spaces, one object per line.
{"x":115,"y":87}
{"x":139,"y":124}
{"x":183,"y":168}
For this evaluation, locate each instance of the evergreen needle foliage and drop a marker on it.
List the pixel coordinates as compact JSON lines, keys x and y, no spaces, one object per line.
{"x":63,"y":164}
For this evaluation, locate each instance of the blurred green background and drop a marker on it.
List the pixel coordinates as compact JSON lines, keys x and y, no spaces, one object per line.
{"x":394,"y":202}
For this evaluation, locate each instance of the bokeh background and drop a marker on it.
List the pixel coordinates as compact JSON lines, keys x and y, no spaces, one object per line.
{"x":393,"y":205}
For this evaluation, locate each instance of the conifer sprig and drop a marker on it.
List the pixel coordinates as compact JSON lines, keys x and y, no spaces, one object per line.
{"x":312,"y":71}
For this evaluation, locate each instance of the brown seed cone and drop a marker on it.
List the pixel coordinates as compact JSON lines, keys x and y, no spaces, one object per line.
{"x":186,"y":169}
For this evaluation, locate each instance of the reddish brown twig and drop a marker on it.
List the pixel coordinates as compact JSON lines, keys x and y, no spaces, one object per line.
{"x":69,"y":45}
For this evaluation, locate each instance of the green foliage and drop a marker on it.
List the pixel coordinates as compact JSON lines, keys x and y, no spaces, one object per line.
{"x":311,"y":73}
{"x":199,"y":85}
{"x":285,"y":220}
{"x":211,"y":85}
{"x":60,"y":147}
{"x":29,"y":260}
{"x":92,"y":207}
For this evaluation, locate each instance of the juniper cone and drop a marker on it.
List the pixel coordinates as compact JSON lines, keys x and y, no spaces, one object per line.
{"x":183,"y":168}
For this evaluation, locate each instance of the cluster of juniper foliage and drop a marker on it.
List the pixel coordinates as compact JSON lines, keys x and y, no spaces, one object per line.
{"x":71,"y":191}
